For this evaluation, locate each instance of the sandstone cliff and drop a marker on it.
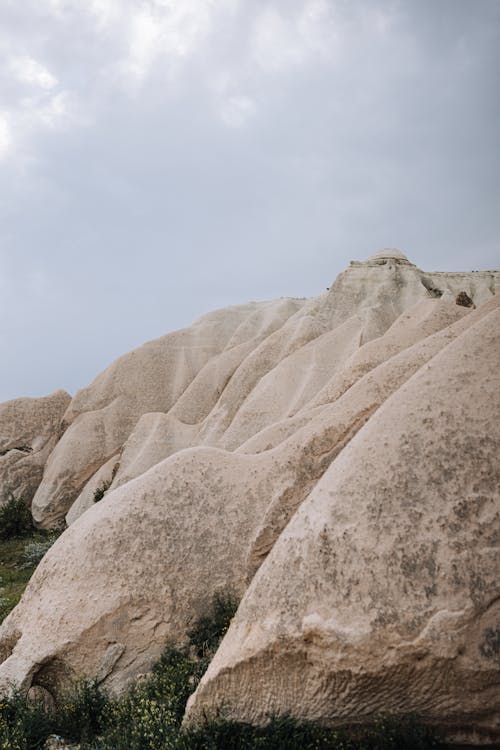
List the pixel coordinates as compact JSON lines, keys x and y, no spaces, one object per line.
{"x":334,"y":461}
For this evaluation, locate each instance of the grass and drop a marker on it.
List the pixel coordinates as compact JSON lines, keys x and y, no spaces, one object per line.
{"x":21,"y":548}
{"x":14,"y":575}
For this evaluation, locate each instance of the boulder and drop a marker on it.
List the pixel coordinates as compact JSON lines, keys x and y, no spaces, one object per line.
{"x":29,"y":430}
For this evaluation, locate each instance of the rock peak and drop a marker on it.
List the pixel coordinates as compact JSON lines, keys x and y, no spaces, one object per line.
{"x":388,"y":255}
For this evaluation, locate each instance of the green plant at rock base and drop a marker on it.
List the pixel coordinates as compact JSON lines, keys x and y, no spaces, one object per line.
{"x":35,"y":550}
{"x":4,"y":602}
{"x":100,"y":491}
{"x":19,"y":557}
{"x":25,"y":724}
{"x":80,"y":711}
{"x":209,"y":629}
{"x":148,"y":717}
{"x":15,"y":519}
{"x":285,"y":733}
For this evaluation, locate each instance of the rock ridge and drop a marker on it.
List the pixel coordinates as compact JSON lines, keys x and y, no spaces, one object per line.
{"x":335,"y":459}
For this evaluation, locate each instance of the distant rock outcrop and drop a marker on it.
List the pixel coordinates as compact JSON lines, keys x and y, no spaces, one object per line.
{"x":333,"y":461}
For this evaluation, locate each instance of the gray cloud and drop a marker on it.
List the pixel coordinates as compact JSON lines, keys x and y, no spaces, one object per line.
{"x":160,"y":159}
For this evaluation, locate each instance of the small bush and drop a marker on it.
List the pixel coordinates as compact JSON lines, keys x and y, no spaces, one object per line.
{"x":100,"y":491}
{"x":34,"y":551}
{"x":285,"y":733}
{"x":148,"y":717}
{"x":80,"y":711}
{"x":209,"y":630}
{"x":25,"y":724}
{"x":15,"y":519}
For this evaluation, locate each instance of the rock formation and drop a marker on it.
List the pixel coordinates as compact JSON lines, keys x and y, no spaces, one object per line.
{"x":29,"y":430}
{"x":333,"y":461}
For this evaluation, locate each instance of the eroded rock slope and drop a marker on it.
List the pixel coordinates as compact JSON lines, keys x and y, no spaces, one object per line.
{"x":333,"y":461}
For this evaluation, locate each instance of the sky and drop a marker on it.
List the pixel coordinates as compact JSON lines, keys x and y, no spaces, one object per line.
{"x":163,"y":158}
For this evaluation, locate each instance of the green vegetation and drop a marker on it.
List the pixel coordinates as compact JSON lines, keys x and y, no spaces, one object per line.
{"x":209,"y":630}
{"x":385,"y":733}
{"x":21,"y":549}
{"x":100,"y":491}
{"x":34,"y":551}
{"x":15,"y":519}
{"x":149,"y":715}
{"x":14,"y":574}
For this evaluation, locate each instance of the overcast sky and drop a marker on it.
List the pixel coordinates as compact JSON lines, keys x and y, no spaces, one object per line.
{"x":161,"y":158}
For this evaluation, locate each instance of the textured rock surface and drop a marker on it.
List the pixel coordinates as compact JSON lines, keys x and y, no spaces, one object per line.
{"x":97,"y":486}
{"x":382,"y":592}
{"x":332,"y":461}
{"x":233,"y":373}
{"x":152,"y":378}
{"x":29,"y":430}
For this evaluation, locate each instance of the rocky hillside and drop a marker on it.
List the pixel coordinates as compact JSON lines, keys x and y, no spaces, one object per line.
{"x":332,"y":461}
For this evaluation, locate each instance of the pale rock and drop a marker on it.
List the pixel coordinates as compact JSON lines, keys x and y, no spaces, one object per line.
{"x":101,"y":480}
{"x":382,"y":592}
{"x":29,"y":430}
{"x":151,"y":378}
{"x":330,"y":461}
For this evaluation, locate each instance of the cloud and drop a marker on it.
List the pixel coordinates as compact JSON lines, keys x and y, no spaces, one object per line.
{"x":284,"y":40}
{"x":27,"y":70}
{"x":5,"y":136}
{"x":167,"y":32}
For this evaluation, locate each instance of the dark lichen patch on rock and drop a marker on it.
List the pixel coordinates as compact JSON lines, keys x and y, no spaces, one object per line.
{"x":490,"y":646}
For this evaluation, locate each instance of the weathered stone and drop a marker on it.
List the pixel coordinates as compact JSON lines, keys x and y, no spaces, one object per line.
{"x":29,"y":430}
{"x":382,"y":592}
{"x":309,"y":455}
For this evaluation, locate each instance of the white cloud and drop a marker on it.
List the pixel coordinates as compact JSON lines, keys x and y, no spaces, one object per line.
{"x":30,"y":71}
{"x":106,"y":12}
{"x":58,"y":111}
{"x":166,"y":29}
{"x":5,"y":136}
{"x":282,"y":41}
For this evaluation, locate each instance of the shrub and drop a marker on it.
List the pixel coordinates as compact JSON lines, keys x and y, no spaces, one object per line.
{"x":100,"y":491}
{"x":388,"y":733}
{"x":209,"y":630}
{"x":80,"y":711}
{"x":15,"y":519}
{"x":25,"y":724}
{"x":34,"y":551}
{"x":12,"y":737}
{"x":4,"y":604}
{"x":148,"y":717}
